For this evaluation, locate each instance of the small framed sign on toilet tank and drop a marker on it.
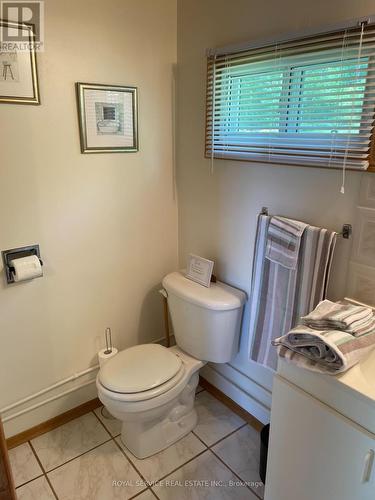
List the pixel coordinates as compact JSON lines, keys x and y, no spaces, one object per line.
{"x":199,"y":269}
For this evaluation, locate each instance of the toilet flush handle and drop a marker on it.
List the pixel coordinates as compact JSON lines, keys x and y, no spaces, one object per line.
{"x":163,"y":292}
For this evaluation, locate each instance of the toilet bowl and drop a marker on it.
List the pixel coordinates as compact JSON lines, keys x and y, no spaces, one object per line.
{"x":153,"y":418}
{"x":151,"y":389}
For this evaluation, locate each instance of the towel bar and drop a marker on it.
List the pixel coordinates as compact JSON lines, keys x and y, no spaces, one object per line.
{"x":346,"y":233}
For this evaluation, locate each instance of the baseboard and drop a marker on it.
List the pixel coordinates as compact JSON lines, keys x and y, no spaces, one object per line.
{"x":227,"y":401}
{"x":32,"y":416}
{"x":254,"y":406}
{"x":40,"y":408}
{"x":52,"y":423}
{"x":84,"y":408}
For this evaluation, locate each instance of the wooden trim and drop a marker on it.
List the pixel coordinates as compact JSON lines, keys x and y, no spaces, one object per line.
{"x":7,"y":488}
{"x":209,"y":103}
{"x":84,"y":408}
{"x":371,"y":167}
{"x":227,"y":401}
{"x":166,"y":322}
{"x":52,"y":423}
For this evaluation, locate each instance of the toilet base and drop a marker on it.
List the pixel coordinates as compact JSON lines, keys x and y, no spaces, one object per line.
{"x":154,"y":430}
{"x":161,"y":437}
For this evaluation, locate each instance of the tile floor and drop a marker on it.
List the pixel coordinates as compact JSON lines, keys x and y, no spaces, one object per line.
{"x":86,"y":460}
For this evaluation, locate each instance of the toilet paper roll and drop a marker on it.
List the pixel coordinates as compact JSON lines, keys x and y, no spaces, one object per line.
{"x":103,"y":358}
{"x":26,"y":268}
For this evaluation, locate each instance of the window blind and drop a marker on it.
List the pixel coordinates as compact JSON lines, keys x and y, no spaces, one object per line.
{"x":306,"y":101}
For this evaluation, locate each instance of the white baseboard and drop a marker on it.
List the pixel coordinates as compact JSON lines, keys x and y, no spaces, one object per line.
{"x":49,"y":410}
{"x":34,"y":416}
{"x":254,"y":399}
{"x":246,"y":392}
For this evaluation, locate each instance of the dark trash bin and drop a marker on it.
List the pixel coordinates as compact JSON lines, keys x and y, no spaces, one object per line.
{"x":264,"y":437}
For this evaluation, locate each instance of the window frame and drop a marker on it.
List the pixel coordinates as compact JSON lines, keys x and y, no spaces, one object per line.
{"x":364,"y":121}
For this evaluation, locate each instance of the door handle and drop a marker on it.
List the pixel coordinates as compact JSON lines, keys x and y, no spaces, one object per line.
{"x":368,"y":466}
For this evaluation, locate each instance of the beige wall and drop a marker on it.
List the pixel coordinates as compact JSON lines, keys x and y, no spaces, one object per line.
{"x":106,"y":223}
{"x":217,"y":214}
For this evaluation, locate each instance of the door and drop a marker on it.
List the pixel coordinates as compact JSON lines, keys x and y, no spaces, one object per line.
{"x":314,"y":452}
{"x":7,"y":490}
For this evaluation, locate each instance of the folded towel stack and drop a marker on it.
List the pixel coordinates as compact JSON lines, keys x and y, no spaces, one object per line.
{"x":356,"y":320}
{"x":332,"y":339}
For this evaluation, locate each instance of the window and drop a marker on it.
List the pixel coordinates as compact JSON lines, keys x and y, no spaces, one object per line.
{"x":305,"y":102}
{"x":109,"y":113}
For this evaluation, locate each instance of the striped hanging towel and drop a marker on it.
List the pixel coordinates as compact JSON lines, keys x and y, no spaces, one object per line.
{"x":284,"y":240}
{"x":281,"y":295}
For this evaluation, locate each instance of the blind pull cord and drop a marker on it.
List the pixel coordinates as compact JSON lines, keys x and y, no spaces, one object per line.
{"x":358,"y":71}
{"x":276,"y":64}
{"x":337,"y":124}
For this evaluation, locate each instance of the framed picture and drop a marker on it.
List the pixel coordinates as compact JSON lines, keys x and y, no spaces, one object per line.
{"x":18,"y":71}
{"x":107,"y":118}
{"x":199,"y":270}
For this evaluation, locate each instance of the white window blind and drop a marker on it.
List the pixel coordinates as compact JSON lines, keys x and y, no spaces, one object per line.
{"x":307,"y":101}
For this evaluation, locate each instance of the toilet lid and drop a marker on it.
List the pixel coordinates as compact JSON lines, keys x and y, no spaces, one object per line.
{"x":139,"y":368}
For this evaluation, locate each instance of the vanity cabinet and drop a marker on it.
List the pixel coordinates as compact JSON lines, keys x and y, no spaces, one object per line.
{"x":315,"y":453}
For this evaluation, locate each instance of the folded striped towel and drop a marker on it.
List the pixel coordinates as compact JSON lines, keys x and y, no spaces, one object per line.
{"x":284,"y":240}
{"x":324,"y":351}
{"x":356,"y":320}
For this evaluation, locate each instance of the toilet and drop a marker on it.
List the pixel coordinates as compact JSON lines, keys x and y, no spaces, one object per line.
{"x":151,"y":388}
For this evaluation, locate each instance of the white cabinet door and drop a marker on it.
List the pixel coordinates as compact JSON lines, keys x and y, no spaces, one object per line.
{"x":315,"y":453}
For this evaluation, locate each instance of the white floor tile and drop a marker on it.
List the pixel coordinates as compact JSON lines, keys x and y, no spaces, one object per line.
{"x":111,"y":423}
{"x":146,"y":495}
{"x":39,"y":489}
{"x":70,"y":440}
{"x":164,"y":462}
{"x":203,"y":478}
{"x":215,"y":420}
{"x":92,"y":476}
{"x":240,"y":451}
{"x":98,"y":470}
{"x":24,"y":464}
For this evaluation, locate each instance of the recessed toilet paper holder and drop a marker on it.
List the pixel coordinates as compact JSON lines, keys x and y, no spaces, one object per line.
{"x":17,"y":253}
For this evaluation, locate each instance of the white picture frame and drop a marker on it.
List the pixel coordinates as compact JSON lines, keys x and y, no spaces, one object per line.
{"x":199,"y":270}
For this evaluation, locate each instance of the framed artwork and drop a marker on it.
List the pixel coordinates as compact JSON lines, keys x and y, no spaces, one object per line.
{"x":108,"y":120}
{"x":18,"y":71}
{"x":199,"y":270}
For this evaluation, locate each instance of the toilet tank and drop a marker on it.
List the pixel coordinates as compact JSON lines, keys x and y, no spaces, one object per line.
{"x":206,"y":321}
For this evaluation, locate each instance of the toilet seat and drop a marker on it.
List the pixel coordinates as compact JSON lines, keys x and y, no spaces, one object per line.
{"x":156,"y":395}
{"x":144,"y":395}
{"x":140,"y":368}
